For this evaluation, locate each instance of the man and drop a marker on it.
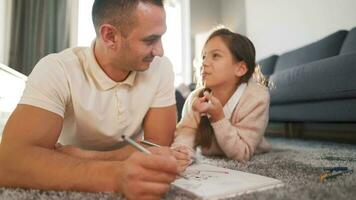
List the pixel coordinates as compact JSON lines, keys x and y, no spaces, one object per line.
{"x":87,"y":98}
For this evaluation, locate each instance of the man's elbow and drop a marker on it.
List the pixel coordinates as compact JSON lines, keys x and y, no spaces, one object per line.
{"x":4,"y":166}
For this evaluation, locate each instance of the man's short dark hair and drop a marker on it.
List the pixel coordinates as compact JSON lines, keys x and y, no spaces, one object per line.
{"x":118,"y":13}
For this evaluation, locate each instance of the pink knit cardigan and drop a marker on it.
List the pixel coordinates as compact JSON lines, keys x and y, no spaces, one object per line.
{"x":237,"y":138}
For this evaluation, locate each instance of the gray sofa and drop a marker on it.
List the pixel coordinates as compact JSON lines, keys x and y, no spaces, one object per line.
{"x":315,"y":83}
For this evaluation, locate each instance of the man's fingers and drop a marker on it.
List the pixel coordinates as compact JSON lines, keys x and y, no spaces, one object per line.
{"x":158,"y":176}
{"x":164,"y":151}
{"x":161,"y":163}
{"x":147,"y":191}
{"x":153,"y":188}
{"x":151,"y":197}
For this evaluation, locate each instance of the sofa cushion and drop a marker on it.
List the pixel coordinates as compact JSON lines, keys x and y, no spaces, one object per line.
{"x":317,"y":111}
{"x":267,"y":64}
{"x":324,"y":48}
{"x":349,"y":44}
{"x":330,"y":78}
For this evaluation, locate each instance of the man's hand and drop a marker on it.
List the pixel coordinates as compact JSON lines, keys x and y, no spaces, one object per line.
{"x":182,"y":157}
{"x":147,"y":176}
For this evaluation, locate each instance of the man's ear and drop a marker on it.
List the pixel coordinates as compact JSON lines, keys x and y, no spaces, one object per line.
{"x":241,"y":68}
{"x":110,"y":36}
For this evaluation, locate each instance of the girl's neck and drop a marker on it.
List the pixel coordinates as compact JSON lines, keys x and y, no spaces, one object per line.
{"x":224,"y":92}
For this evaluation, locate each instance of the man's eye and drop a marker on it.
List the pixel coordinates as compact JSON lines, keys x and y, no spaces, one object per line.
{"x":149,"y":41}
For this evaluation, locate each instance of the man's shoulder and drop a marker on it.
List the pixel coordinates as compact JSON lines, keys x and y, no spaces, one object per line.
{"x":64,"y":63}
{"x":67,"y":56}
{"x":66,"y":60}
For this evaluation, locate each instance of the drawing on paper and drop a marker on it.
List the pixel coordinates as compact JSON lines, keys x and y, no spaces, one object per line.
{"x":202,"y":175}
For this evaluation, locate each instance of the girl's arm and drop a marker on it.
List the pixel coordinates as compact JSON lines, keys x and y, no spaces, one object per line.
{"x":240,"y":138}
{"x":187,"y":127}
{"x":185,"y":134}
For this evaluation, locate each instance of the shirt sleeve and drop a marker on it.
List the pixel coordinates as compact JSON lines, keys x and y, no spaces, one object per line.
{"x":165,"y":94}
{"x":47,"y":86}
{"x":240,"y":140}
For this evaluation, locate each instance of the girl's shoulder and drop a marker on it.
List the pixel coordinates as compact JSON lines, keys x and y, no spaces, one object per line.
{"x":194,"y":93}
{"x":256,"y":90}
{"x":192,"y":97}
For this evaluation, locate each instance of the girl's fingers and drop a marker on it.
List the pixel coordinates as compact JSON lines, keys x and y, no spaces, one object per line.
{"x":180,"y":156}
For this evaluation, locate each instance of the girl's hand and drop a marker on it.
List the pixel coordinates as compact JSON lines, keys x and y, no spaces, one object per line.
{"x":215,"y":109}
{"x":201,"y":105}
{"x":184,"y":155}
{"x":211,"y":105}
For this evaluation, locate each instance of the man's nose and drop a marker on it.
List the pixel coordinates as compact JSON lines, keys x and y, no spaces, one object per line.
{"x":158,"y":49}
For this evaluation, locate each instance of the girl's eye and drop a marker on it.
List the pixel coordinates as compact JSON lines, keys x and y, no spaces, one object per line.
{"x":215,"y":55}
{"x":203,"y":57}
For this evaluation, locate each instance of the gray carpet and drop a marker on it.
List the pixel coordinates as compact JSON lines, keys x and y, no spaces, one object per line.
{"x":297,"y":163}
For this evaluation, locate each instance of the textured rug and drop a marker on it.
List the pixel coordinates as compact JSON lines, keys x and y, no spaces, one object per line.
{"x":297,"y":163}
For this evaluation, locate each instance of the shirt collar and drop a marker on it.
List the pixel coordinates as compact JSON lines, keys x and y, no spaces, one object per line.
{"x":100,"y":77}
{"x":234,"y":100}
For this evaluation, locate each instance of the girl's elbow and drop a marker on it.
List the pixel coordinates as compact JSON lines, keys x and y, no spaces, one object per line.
{"x":241,"y":157}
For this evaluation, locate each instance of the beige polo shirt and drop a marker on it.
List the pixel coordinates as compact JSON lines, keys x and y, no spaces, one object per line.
{"x":96,"y":110}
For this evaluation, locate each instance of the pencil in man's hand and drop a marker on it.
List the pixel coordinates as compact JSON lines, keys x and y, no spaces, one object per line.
{"x":149,"y":143}
{"x":136,"y":145}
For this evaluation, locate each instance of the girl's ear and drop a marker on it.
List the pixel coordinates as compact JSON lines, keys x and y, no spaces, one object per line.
{"x":240,"y":69}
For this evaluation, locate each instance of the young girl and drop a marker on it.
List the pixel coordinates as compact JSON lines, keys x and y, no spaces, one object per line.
{"x":231,"y":119}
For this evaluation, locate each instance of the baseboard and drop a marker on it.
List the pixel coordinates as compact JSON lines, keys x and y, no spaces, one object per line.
{"x":336,"y":132}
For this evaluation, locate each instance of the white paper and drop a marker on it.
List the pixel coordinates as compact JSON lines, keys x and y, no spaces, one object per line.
{"x":212,"y":182}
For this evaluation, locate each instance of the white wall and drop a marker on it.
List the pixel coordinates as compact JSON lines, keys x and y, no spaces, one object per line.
{"x":205,"y":14}
{"x":5,"y":26}
{"x":233,"y":15}
{"x":276,"y":26}
{"x":2,"y":31}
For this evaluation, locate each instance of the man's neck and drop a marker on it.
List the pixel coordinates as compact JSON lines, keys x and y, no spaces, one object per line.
{"x":114,"y":73}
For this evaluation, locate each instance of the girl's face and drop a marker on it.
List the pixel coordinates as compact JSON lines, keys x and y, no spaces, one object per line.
{"x":219,"y":66}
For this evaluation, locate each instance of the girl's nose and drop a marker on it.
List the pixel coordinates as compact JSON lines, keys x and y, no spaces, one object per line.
{"x":205,"y":62}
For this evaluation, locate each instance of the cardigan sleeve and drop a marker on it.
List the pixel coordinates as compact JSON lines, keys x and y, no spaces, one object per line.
{"x":240,"y":138}
{"x":187,"y":127}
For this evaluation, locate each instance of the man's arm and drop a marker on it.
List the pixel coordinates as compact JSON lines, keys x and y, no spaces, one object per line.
{"x":28,"y":159}
{"x":118,"y":155}
{"x":159,"y":125}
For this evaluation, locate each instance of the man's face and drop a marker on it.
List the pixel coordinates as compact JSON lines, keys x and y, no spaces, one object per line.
{"x":143,"y":43}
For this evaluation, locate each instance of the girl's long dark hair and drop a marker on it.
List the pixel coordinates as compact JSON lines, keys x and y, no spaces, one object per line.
{"x":205,"y":131}
{"x":242,"y":49}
